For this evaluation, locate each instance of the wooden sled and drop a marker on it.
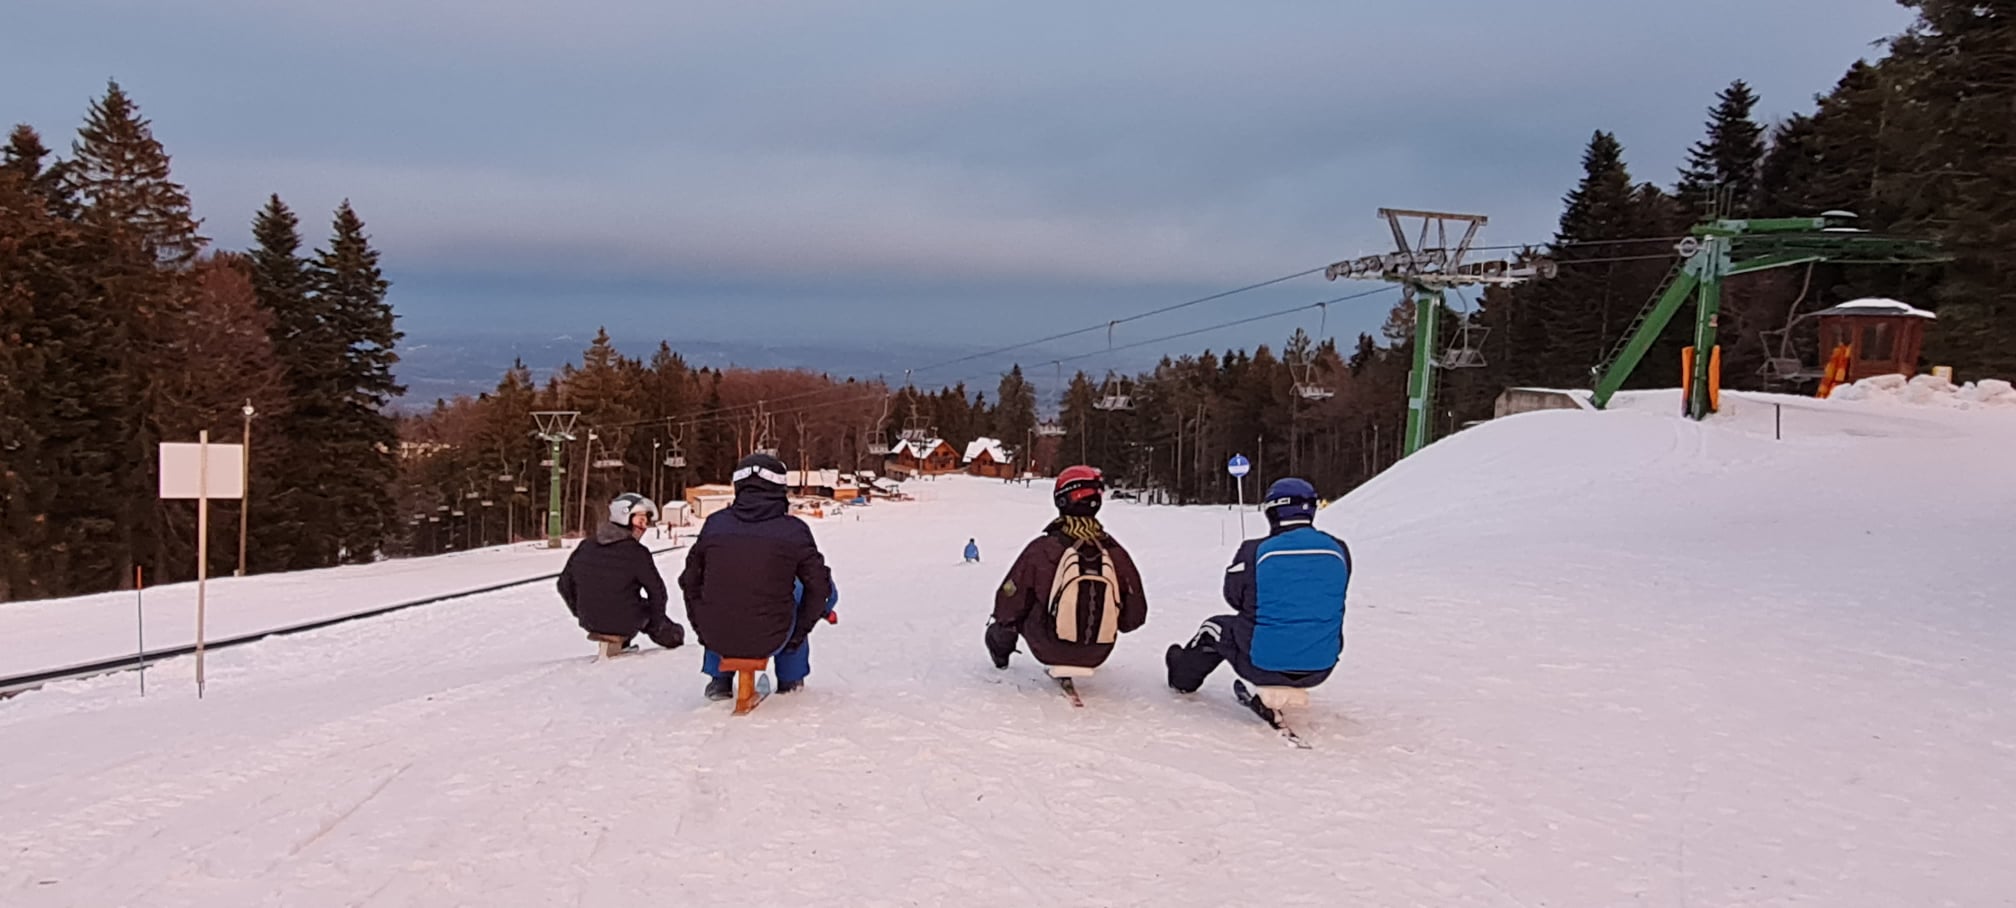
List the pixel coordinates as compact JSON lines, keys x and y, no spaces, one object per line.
{"x":1280,"y":698}
{"x":609,"y":646}
{"x":745,"y":681}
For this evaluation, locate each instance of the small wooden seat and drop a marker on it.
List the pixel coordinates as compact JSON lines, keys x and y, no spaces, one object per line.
{"x":1069,"y":671}
{"x":609,"y":646}
{"x":1278,"y":698}
{"x":745,"y":681}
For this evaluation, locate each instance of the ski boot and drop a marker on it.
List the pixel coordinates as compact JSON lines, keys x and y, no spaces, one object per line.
{"x":722,"y":687}
{"x":1253,"y":702}
{"x":785,"y":687}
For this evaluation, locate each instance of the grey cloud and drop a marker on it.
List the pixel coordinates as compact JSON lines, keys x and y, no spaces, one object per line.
{"x":945,"y":148}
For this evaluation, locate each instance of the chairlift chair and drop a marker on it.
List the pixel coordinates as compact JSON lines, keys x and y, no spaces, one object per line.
{"x":1113,"y":395}
{"x":1302,"y":366}
{"x":1466,"y":349}
{"x":1783,"y":364}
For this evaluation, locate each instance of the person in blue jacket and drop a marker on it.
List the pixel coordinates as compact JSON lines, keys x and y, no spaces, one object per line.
{"x":972,"y":550}
{"x":1287,"y":596}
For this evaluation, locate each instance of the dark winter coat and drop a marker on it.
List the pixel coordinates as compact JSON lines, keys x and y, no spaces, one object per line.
{"x":612,"y":585}
{"x":741,"y":572}
{"x":1023,"y":600}
{"x":1288,"y":591}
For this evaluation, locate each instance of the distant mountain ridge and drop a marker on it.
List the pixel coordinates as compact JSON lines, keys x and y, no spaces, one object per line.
{"x":440,"y":368}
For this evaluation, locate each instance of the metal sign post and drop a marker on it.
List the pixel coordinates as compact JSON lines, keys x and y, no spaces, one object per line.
{"x":1238,"y":467}
{"x":202,"y":471}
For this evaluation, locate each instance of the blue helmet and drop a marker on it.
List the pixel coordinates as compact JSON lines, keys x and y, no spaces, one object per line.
{"x":1290,"y":500}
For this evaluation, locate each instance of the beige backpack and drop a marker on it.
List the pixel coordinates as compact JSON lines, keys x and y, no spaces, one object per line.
{"x":1085,"y":596}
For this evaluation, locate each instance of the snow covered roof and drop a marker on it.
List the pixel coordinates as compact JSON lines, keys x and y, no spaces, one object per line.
{"x":989,"y":446}
{"x":918,"y":449}
{"x":1877,"y":306}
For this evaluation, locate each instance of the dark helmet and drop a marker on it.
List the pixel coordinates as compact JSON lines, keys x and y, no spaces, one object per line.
{"x":1079,"y":491}
{"x":760,"y":471}
{"x":1290,"y":500}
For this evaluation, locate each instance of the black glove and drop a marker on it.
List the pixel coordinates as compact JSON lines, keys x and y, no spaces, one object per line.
{"x":666,"y":632}
{"x":1000,"y":643}
{"x":796,"y":643}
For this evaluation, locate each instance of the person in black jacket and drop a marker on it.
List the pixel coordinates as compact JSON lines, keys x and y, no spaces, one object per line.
{"x":741,"y":574}
{"x":611,"y":584}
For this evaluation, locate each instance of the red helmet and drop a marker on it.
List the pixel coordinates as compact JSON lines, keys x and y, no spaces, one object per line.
{"x":1078,"y":490}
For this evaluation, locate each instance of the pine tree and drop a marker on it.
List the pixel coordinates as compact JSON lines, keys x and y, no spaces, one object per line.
{"x":120,"y":175}
{"x":1080,"y":425}
{"x":293,"y":522}
{"x":1724,"y":165}
{"x":1015,"y":410}
{"x":27,"y":230}
{"x":1958,"y":179}
{"x":350,"y":290}
{"x":1565,"y":326}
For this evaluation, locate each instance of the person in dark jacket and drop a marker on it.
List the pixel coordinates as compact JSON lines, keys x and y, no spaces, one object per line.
{"x":612,"y":585}
{"x":1070,"y":613}
{"x":755,"y":582}
{"x":1287,"y":596}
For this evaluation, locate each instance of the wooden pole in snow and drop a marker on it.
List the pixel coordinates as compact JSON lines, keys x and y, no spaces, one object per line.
{"x":202,"y":545}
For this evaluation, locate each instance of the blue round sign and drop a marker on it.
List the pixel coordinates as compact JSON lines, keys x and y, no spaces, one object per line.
{"x":1238,"y":466}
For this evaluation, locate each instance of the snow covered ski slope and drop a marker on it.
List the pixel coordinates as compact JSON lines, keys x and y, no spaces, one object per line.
{"x":1594,"y":659}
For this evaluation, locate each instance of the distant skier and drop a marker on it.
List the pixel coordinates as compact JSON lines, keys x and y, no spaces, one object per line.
{"x":612,"y":585}
{"x":755,"y":582}
{"x":1287,"y":596}
{"x":972,"y":551}
{"x":1073,"y":590}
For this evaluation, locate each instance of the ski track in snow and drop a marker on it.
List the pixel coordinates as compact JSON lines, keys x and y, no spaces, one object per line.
{"x":1593,"y":659}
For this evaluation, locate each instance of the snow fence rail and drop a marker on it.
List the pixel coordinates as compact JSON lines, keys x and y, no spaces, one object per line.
{"x":23,"y":683}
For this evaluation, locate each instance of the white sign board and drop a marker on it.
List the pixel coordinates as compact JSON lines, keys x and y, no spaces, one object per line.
{"x":1238,"y":465}
{"x":182,"y":471}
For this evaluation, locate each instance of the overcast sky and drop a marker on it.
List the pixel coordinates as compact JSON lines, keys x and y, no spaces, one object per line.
{"x":933,"y":172}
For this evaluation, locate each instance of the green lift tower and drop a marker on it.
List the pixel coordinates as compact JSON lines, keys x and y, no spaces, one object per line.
{"x":1726,"y":248}
{"x":1425,"y":274}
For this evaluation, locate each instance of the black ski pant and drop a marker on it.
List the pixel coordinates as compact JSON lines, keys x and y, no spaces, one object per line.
{"x":1228,"y":638}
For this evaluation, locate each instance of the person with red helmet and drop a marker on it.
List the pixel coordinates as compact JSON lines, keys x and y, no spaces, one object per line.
{"x":1073,"y":590}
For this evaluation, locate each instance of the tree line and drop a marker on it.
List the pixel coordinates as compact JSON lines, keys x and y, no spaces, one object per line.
{"x":1913,"y":143}
{"x":121,"y":327}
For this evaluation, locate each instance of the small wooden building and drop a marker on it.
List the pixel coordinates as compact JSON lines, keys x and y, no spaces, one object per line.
{"x":986,"y":457}
{"x":703,"y":500}
{"x":928,"y":457}
{"x":1883,"y":337}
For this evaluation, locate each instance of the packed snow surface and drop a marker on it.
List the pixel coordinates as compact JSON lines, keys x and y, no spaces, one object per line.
{"x":1594,"y":658}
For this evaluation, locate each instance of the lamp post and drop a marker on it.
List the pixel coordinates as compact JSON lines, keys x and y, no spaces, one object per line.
{"x":245,"y":503}
{"x":657,"y":473}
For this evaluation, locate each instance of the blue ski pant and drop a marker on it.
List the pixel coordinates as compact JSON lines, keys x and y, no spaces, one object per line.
{"x":791,"y":664}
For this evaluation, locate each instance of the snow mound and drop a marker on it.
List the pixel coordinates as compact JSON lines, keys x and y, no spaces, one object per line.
{"x":1929,"y":391}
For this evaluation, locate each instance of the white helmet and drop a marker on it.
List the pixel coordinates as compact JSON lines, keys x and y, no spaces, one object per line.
{"x":630,"y":503}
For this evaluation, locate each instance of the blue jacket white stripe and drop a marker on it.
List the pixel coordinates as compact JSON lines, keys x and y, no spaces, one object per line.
{"x":1291,"y":586}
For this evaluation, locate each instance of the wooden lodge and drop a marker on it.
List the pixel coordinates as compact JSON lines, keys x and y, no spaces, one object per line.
{"x":927,"y":457}
{"x":986,"y":457}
